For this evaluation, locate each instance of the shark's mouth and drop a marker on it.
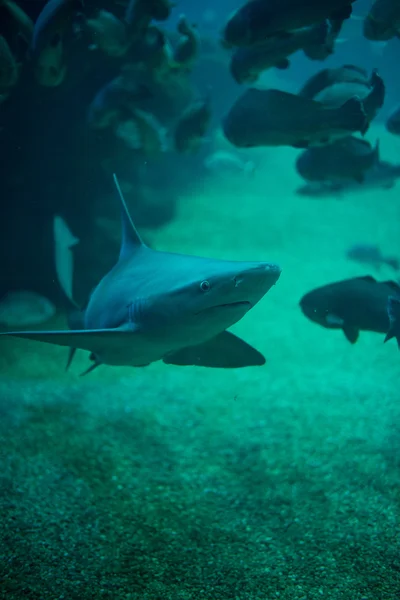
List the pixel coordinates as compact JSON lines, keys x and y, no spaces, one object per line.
{"x":244,"y":304}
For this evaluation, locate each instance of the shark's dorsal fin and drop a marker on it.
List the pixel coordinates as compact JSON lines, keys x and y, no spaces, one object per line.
{"x":131,"y":239}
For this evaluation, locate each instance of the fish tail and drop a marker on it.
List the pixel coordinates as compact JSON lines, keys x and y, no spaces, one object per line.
{"x":394,"y":319}
{"x":353,"y":116}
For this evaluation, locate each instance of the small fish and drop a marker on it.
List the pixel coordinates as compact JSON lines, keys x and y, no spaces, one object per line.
{"x":348,"y":158}
{"x":352,"y":305}
{"x":9,"y":71}
{"x":64,"y":241}
{"x":381,"y":176}
{"x":333,"y":87}
{"x":383,"y":21}
{"x":247,"y":63}
{"x":23,"y":308}
{"x":393,"y":122}
{"x":186,"y":50}
{"x":257,"y":19}
{"x":222,"y":161}
{"x":108,"y":33}
{"x":276,"y":118}
{"x":370,"y":254}
{"x":192,"y":126}
{"x":393,"y":309}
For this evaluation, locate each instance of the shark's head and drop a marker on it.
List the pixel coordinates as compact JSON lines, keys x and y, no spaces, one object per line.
{"x":202,"y":297}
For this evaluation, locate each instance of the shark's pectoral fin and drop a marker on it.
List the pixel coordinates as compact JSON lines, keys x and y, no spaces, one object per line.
{"x":225,"y":351}
{"x":93,"y":340}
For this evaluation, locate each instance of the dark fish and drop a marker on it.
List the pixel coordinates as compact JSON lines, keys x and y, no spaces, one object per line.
{"x":348,"y":158}
{"x":393,"y":122}
{"x":22,"y":308}
{"x":248,"y":62}
{"x":322,"y":51}
{"x":369,"y":254}
{"x":108,"y":33}
{"x":139,"y":14}
{"x":47,"y":47}
{"x":192,"y":126}
{"x":22,"y":23}
{"x":326,"y":78}
{"x":352,"y":305}
{"x":383,"y":175}
{"x":383,"y":20}
{"x":187,"y":48}
{"x":333,"y":87}
{"x":53,"y":21}
{"x":9,"y":71}
{"x":393,"y":309}
{"x":116,"y":100}
{"x":259,"y":19}
{"x":142,"y":132}
{"x":276,"y":118}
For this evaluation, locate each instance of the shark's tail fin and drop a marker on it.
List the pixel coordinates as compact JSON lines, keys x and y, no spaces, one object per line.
{"x":394,"y":319}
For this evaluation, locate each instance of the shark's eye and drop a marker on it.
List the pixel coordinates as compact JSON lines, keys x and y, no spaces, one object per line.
{"x":205,"y":286}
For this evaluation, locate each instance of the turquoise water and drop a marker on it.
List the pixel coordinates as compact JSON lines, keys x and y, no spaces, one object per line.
{"x":279,"y":481}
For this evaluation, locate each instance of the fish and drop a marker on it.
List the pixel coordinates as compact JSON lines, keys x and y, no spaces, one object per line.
{"x":393,"y":122}
{"x":22,"y":308}
{"x":383,"y":21}
{"x":222,"y":161}
{"x":352,"y":305}
{"x":143,"y":132}
{"x":393,"y":309}
{"x":118,"y":98}
{"x":64,"y":241}
{"x":382,"y":175}
{"x":139,"y":14}
{"x":155,"y":305}
{"x":275,"y":118}
{"x":257,"y":20}
{"x":348,"y":158}
{"x":187,"y":48}
{"x":108,"y":33}
{"x":333,"y":87}
{"x":192,"y":126}
{"x":9,"y":71}
{"x":47,"y":44}
{"x":54,"y":20}
{"x":21,"y":21}
{"x":370,"y":254}
{"x":247,"y":63}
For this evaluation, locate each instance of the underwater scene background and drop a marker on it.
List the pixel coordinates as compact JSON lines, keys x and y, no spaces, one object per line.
{"x":181,"y":481}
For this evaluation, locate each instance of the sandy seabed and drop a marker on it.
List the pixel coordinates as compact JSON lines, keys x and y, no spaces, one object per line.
{"x":276,"y":482}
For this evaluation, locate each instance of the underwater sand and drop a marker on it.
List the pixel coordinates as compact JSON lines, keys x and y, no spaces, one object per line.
{"x":280,"y":482}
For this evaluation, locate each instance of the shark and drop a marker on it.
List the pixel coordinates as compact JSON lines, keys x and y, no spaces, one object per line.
{"x":160,"y":306}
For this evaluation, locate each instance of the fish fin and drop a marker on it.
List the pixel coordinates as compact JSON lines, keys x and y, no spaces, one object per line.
{"x":393,"y":262}
{"x":96,"y":363}
{"x":351,"y":333}
{"x":131,"y":239}
{"x":394,"y":319}
{"x":92,"y":340}
{"x":334,"y":320}
{"x":352,"y":115}
{"x":341,"y":14}
{"x":282,"y":64}
{"x":301,"y":144}
{"x":225,"y":351}
{"x":367,"y":278}
{"x":71,"y":354}
{"x":394,"y":285}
